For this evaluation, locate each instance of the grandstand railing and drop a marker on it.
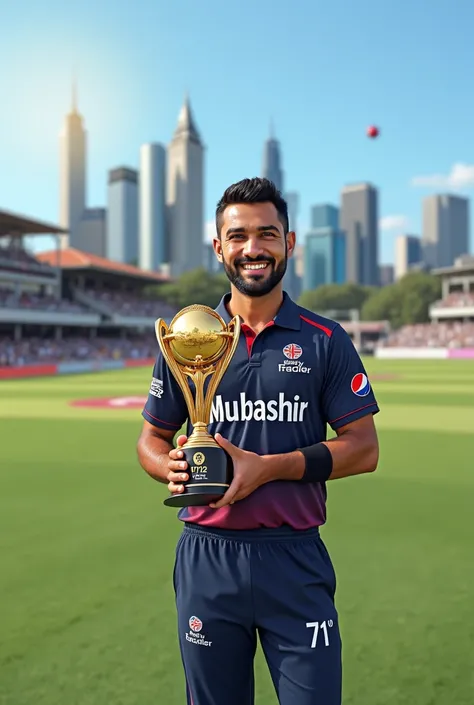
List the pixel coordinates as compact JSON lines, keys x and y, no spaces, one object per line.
{"x":37,"y":316}
{"x":12,"y":265}
{"x":98,"y":306}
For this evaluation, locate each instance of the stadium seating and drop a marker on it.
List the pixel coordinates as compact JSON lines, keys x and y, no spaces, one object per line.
{"x":127,"y":304}
{"x":38,"y":350}
{"x":432,"y":335}
{"x":27,"y":300}
{"x":16,"y":259}
{"x":458,"y":298}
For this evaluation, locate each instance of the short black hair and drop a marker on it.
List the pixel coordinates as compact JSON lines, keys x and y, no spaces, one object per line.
{"x":256,"y":190}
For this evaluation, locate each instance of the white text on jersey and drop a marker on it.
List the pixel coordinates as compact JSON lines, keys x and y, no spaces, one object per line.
{"x":247,"y":410}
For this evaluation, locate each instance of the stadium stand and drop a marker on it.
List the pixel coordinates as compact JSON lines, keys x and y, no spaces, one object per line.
{"x":126,"y":304}
{"x":16,"y":259}
{"x":9,"y":298}
{"x":74,"y":348}
{"x":447,"y":334}
{"x":452,"y":317}
{"x":66,"y":305}
{"x":457,"y":283}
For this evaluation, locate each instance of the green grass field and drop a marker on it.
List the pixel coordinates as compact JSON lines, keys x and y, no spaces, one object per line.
{"x":87,"y":611}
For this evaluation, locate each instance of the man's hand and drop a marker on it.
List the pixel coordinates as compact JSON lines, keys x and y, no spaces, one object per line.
{"x":250,"y":471}
{"x":177,"y":467}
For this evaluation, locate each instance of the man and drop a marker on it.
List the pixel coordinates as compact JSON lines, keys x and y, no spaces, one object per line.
{"x":254,"y":562}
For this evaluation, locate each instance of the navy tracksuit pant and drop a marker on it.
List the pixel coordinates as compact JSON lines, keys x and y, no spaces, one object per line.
{"x":277,"y":583}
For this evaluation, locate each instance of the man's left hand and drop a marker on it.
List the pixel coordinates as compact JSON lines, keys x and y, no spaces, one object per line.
{"x":250,"y":471}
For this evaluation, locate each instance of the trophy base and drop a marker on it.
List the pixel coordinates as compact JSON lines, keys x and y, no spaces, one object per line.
{"x":210,"y":474}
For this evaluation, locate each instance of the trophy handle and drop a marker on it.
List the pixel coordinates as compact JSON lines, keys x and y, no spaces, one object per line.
{"x":162,"y":329}
{"x":221,"y":367}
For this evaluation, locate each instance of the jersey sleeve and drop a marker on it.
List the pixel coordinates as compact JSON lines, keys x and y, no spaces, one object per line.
{"x":165,"y":406}
{"x":347,"y":392}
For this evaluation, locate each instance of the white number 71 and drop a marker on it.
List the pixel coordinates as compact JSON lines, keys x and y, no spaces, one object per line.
{"x":316,"y":626}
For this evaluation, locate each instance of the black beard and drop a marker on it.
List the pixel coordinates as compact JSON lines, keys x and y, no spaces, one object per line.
{"x":259,"y":286}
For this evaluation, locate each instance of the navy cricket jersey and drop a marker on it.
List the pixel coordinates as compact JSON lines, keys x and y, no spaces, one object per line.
{"x":279,"y":393}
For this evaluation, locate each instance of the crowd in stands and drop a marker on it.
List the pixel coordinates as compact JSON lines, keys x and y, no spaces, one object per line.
{"x":44,"y":351}
{"x":128,"y":304}
{"x":432,"y":335}
{"x":15,"y":258}
{"x":28,"y":300}
{"x":457,"y":298}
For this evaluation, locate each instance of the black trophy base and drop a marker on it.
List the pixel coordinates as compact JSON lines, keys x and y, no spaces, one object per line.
{"x":210,"y":474}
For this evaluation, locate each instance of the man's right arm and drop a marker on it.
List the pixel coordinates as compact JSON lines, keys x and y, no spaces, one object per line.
{"x":164,"y":414}
{"x":153,"y":449}
{"x":160,"y":459}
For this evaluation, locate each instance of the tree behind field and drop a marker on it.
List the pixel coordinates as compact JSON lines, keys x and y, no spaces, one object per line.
{"x":407,"y":301}
{"x":197,"y":286}
{"x":340,"y":297}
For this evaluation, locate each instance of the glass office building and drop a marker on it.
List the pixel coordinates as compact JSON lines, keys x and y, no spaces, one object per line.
{"x":325,"y":258}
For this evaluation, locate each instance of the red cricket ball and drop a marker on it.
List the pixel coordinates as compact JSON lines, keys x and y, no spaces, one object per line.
{"x":373,"y":131}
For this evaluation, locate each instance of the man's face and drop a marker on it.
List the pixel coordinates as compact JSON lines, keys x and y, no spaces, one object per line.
{"x":253,"y":247}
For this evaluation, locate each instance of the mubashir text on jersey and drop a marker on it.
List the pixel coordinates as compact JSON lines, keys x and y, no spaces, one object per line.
{"x":280,"y":409}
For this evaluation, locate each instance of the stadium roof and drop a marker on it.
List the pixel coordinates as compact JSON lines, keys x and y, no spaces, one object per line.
{"x":72,"y":259}
{"x":17,"y":225}
{"x":462,"y":265}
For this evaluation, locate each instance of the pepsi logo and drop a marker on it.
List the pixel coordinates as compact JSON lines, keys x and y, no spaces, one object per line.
{"x":292,"y":351}
{"x":360,"y":385}
{"x":195,"y":624}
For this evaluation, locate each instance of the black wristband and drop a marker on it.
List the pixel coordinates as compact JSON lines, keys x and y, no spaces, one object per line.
{"x":318,"y":463}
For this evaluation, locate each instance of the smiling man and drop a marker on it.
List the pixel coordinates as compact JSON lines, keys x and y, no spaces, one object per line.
{"x":254,"y":563}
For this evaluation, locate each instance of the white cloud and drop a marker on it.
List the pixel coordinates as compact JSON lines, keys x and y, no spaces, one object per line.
{"x":460,"y":176}
{"x":394,"y":222}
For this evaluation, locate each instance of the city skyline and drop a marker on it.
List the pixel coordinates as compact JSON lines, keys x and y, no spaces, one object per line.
{"x":131,"y":97}
{"x":272,"y":167}
{"x":122,"y":233}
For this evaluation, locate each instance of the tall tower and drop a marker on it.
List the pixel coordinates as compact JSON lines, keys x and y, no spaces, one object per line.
{"x":72,"y":172}
{"x":122,"y":220}
{"x":271,"y":167}
{"x":359,"y":221}
{"x":293,"y":281}
{"x":325,"y":248}
{"x":408,"y":252}
{"x":445,"y":229}
{"x":152,"y":207}
{"x":185,"y":195}
{"x":324,"y":258}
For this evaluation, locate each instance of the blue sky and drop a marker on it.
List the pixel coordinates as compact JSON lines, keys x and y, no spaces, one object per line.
{"x":323,"y":71}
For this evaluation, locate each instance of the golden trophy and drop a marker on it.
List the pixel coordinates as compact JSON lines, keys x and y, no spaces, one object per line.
{"x":198,"y":344}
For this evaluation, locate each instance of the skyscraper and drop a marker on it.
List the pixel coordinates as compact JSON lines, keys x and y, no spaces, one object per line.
{"x":324,"y":258}
{"x":92,"y":232}
{"x":152,"y":207}
{"x":210,"y":261}
{"x":445,"y":229}
{"x":359,"y":221}
{"x":386,"y":274}
{"x":271,"y":166}
{"x":72,"y":172}
{"x":185,"y":195}
{"x":293,"y":202}
{"x":292,"y":282}
{"x":324,"y":215}
{"x":407,"y":253}
{"x":122,"y":218}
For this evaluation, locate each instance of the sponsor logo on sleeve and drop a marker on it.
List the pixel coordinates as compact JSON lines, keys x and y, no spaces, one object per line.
{"x":360,"y":385}
{"x":156,"y":387}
